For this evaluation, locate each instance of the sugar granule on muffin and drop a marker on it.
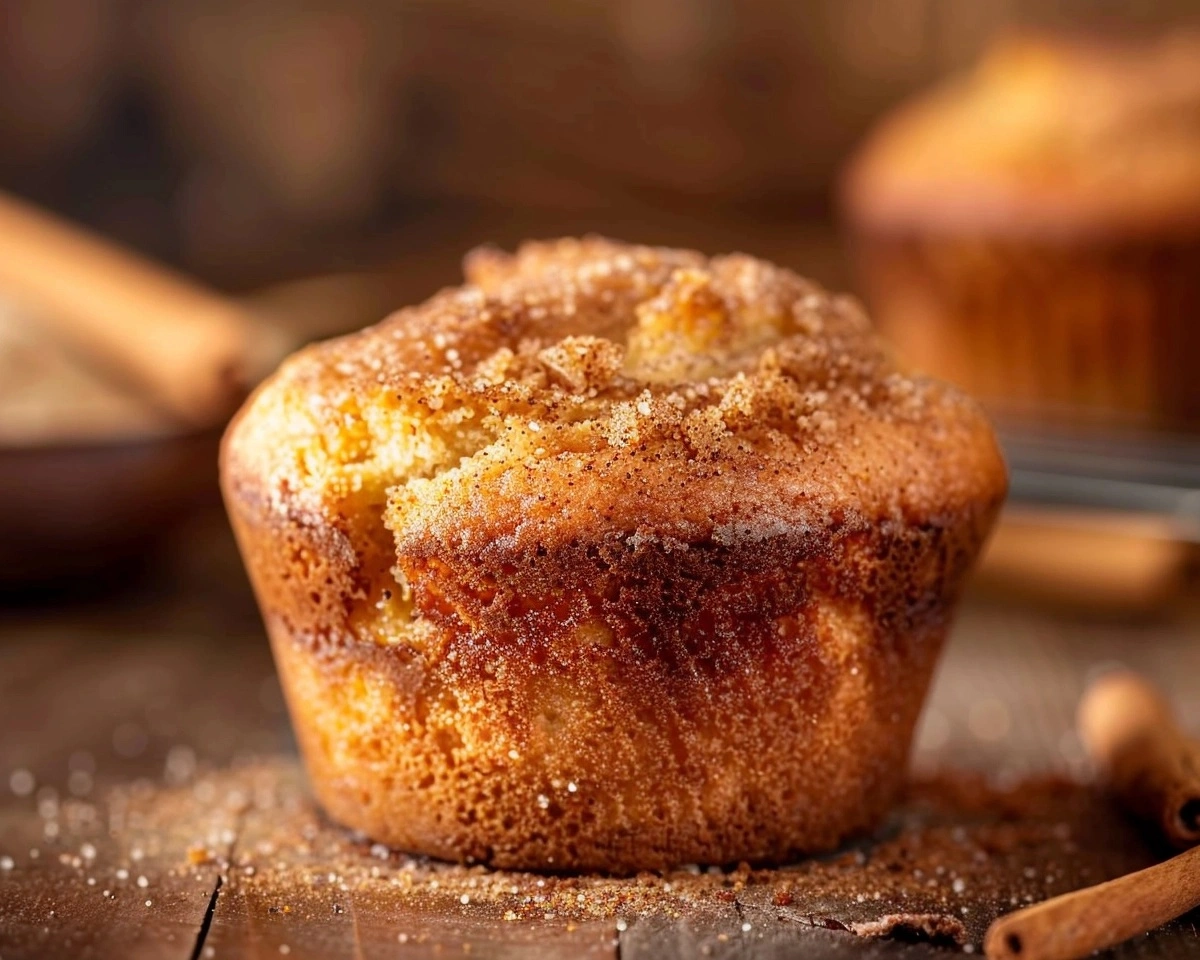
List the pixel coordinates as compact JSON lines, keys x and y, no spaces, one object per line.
{"x":615,"y":557}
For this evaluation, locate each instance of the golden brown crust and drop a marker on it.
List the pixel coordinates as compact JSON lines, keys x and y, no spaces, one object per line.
{"x":614,"y":558}
{"x":1047,"y":137}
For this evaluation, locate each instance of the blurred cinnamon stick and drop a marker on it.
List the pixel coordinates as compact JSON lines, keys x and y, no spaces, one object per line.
{"x":184,"y":347}
{"x":1149,"y":763}
{"x":1085,"y":559}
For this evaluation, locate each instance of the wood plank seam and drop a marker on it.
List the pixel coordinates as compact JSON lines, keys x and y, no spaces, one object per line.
{"x":206,"y":921}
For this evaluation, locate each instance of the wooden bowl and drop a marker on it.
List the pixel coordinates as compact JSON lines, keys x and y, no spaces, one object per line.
{"x":93,"y":509}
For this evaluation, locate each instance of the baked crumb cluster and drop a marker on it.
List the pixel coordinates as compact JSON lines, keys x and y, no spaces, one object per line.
{"x":573,"y":347}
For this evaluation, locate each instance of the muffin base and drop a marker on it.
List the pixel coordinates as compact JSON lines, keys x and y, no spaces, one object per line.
{"x":1092,"y":332}
{"x":609,"y":765}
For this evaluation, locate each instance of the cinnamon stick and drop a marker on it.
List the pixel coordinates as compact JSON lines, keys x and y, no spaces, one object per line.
{"x":1076,"y":924}
{"x":1148,"y":762}
{"x":185,"y":347}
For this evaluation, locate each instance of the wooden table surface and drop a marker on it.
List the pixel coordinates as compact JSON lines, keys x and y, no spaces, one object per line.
{"x":152,"y":805}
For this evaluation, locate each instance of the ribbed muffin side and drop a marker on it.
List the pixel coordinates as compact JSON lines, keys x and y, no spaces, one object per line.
{"x":1042,"y":331}
{"x":670,"y":590}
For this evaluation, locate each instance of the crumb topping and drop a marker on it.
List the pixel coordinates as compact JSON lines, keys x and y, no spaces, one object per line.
{"x":581,"y":345}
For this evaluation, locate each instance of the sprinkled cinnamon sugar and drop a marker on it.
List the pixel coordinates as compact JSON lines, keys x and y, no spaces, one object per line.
{"x":954,"y":855}
{"x":593,"y":342}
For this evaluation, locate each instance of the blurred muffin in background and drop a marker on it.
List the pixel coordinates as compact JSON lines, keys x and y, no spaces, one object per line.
{"x":1032,"y":230}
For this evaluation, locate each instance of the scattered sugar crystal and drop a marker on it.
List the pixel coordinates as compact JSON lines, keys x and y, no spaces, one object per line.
{"x":82,"y":760}
{"x":21,"y":782}
{"x":180,"y":764}
{"x":129,"y":740}
{"x":79,"y":783}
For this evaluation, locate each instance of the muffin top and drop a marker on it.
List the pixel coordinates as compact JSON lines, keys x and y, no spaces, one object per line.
{"x":591,"y":392}
{"x":1046,"y":135}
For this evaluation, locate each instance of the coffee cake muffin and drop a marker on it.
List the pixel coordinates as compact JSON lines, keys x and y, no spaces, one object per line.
{"x":1032,"y":230}
{"x":613,"y":558}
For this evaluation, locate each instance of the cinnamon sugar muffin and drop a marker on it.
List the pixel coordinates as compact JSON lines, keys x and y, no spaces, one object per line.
{"x":1032,"y":230}
{"x":613,"y":558}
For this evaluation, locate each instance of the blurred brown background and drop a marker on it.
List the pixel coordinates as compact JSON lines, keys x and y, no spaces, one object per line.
{"x":252,"y":142}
